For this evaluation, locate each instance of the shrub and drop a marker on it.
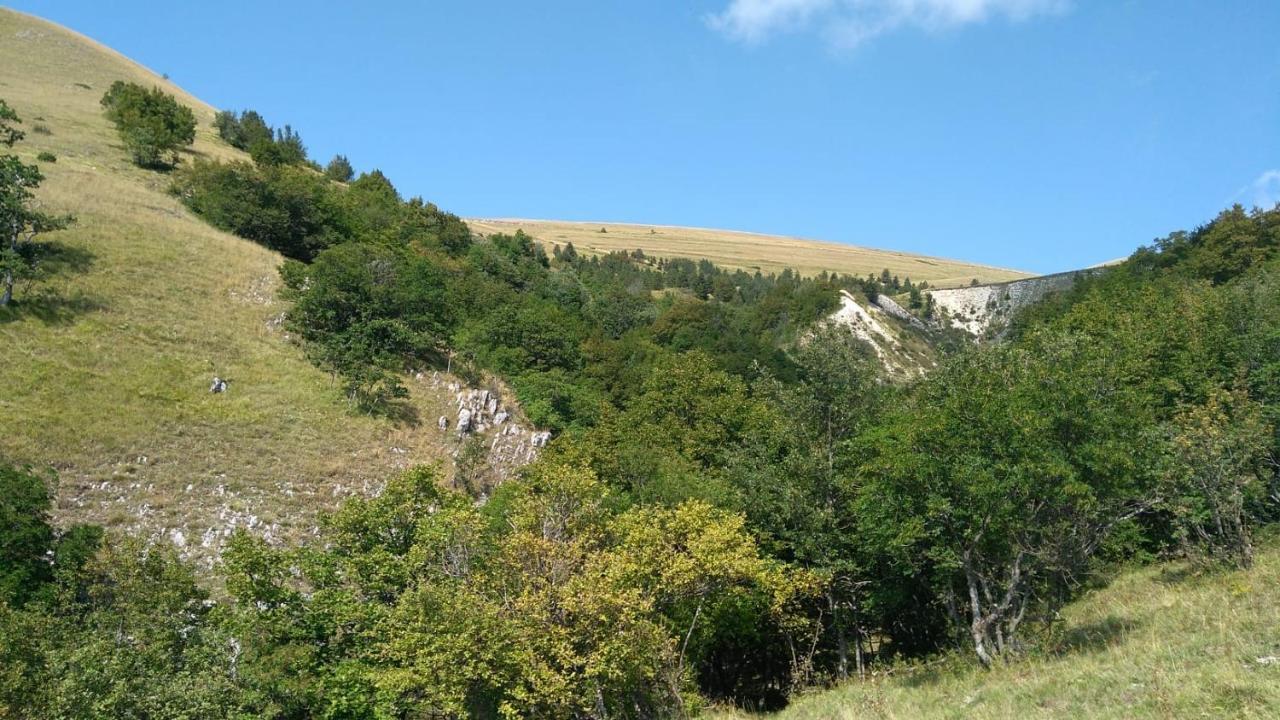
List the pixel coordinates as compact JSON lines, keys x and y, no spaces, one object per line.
{"x":1218,"y":465}
{"x":288,"y":209}
{"x":243,"y":131}
{"x":284,"y":148}
{"x":367,"y":311}
{"x":47,"y":156}
{"x":153,"y":125}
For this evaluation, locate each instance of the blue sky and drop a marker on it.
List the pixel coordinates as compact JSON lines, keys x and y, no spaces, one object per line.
{"x":1037,"y":134}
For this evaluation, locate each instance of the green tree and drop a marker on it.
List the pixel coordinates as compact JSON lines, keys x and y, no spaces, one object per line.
{"x":534,"y":336}
{"x":289,"y":209}
{"x":366,"y":312}
{"x":1216,"y":471}
{"x":339,"y":169}
{"x":1005,"y":477}
{"x":228,"y":126}
{"x":32,"y":553}
{"x":131,"y":635}
{"x":21,"y":220}
{"x":801,"y":494}
{"x":26,"y":535}
{"x":153,"y":125}
{"x":283,"y":148}
{"x":617,"y":311}
{"x":700,"y":566}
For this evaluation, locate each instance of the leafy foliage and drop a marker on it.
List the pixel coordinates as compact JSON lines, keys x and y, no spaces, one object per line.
{"x":153,"y":125}
{"x":366,"y":312}
{"x":339,"y":169}
{"x":20,"y":217}
{"x":562,"y":609}
{"x":1216,"y":476}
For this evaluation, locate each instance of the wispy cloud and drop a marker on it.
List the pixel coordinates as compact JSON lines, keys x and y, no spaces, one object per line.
{"x":850,"y":23}
{"x":1266,"y":189}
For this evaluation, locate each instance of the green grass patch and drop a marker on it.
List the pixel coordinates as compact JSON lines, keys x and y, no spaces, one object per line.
{"x":1157,"y":642}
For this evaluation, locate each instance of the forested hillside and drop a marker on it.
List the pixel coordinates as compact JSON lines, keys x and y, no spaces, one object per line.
{"x":732,"y":503}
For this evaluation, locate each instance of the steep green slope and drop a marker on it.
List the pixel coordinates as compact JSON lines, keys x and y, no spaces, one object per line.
{"x":1160,"y":642}
{"x":110,"y":361}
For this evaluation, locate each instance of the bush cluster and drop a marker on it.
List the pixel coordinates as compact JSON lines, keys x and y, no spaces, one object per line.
{"x":153,"y":125}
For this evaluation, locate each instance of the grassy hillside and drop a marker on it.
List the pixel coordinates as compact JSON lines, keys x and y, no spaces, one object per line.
{"x":750,"y":251}
{"x":1160,"y":642}
{"x":109,"y":362}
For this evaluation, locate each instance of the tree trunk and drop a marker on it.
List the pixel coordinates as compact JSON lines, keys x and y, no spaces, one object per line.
{"x":842,"y":641}
{"x":993,"y":624}
{"x":8,"y":273}
{"x":857,"y":653}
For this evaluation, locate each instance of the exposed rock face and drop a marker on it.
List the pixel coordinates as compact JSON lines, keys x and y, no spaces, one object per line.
{"x":481,"y":413}
{"x":887,"y":304}
{"x":986,"y":309}
{"x":872,"y":325}
{"x":864,"y":326}
{"x":198,"y":517}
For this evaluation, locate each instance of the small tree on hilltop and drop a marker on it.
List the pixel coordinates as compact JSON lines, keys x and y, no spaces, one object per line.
{"x":916,"y":300}
{"x":284,"y":147}
{"x":244,"y":130}
{"x":20,"y":217}
{"x":153,"y":125}
{"x":227,"y":125}
{"x":339,"y":169}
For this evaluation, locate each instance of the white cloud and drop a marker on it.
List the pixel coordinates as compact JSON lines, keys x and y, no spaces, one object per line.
{"x":849,"y":23}
{"x":1266,"y":189}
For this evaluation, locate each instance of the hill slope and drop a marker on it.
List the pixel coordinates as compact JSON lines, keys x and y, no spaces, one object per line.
{"x":1160,"y":642}
{"x":113,"y":356}
{"x":750,"y":251}
{"x":110,"y":361}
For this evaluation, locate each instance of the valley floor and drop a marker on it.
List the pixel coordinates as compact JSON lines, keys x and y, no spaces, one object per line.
{"x":1160,"y":642}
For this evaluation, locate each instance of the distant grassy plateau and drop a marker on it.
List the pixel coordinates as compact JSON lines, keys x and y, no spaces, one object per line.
{"x":749,"y":251}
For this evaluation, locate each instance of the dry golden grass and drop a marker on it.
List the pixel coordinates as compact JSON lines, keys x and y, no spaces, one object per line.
{"x":1160,"y":642}
{"x":749,"y":251}
{"x":109,"y":362}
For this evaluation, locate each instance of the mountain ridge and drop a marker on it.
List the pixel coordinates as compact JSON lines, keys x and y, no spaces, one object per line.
{"x":748,"y":250}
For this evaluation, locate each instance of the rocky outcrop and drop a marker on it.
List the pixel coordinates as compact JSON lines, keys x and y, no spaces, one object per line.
{"x":983,"y":310}
{"x":887,"y":304}
{"x":883,"y":332}
{"x":481,"y":412}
